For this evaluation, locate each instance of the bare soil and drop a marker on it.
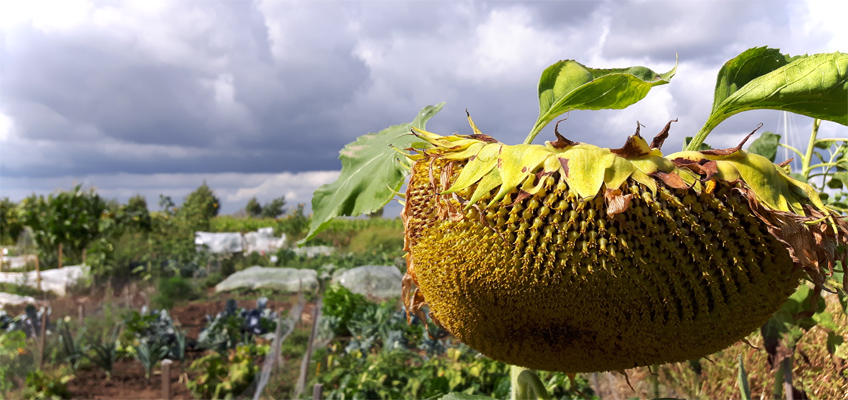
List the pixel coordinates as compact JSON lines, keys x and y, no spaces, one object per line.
{"x":128,"y":380}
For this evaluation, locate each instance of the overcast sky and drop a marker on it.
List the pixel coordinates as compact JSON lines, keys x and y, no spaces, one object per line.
{"x":258,"y":97}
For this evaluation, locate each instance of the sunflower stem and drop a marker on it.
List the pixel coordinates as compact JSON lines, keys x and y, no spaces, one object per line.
{"x":699,"y":138}
{"x":808,"y":158}
{"x":526,"y":385}
{"x":536,"y":129}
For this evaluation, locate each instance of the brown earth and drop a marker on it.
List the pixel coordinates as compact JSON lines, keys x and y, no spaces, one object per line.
{"x":128,"y":380}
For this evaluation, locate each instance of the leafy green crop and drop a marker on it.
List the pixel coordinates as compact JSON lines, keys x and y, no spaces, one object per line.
{"x":149,"y":353}
{"x":47,"y":385}
{"x":225,"y":376}
{"x":459,"y":373}
{"x":105,"y":350}
{"x":342,"y":304}
{"x":73,"y":347}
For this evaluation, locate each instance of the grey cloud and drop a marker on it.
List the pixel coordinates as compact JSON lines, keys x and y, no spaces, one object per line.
{"x":695,"y":30}
{"x":265,"y":87}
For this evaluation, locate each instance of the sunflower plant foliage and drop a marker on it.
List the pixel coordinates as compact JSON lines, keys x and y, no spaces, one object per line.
{"x":571,"y":257}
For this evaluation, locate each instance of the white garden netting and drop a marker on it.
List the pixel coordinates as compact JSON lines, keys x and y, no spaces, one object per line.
{"x":287,"y":279}
{"x":15,"y":300}
{"x":381,"y":282}
{"x":55,"y":280}
{"x":262,"y":241}
{"x":18,"y":262}
{"x":220,"y":242}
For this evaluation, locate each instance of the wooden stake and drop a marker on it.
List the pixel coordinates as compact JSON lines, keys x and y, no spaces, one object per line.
{"x":301,"y":382}
{"x":41,"y":337}
{"x":37,"y":274}
{"x":166,"y":379}
{"x":317,"y":391}
{"x":787,"y":378}
{"x":60,"y":255}
{"x":81,"y":313}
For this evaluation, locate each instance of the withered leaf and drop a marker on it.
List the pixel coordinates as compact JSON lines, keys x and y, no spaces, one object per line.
{"x":671,"y":179}
{"x":483,"y":138}
{"x":635,"y":146}
{"x":561,"y":141}
{"x":706,"y":168}
{"x":660,"y":138}
{"x":617,"y":203}
{"x":729,"y":151}
{"x":518,"y":199}
{"x":564,"y":163}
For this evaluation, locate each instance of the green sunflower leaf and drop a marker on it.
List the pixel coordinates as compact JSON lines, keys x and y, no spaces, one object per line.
{"x":838,"y":180}
{"x":373,"y":170}
{"x":744,"y":68}
{"x":568,"y":85}
{"x":765,"y":145}
{"x":762,"y":78}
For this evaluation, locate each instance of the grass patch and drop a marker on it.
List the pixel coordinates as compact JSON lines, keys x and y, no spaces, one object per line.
{"x":376,"y":239}
{"x":25,"y":290}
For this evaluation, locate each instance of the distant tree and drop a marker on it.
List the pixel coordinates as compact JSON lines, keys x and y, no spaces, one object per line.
{"x":10,"y":222}
{"x":137,"y":213}
{"x":275,"y":208}
{"x":199,"y":207}
{"x":296,"y":223}
{"x":253,"y":208}
{"x":166,"y":204}
{"x":137,"y":203}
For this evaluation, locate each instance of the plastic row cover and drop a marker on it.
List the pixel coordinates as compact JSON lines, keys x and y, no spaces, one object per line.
{"x":262,"y":241}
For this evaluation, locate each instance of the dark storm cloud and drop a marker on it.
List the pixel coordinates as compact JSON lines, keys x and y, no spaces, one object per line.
{"x":233,"y":101}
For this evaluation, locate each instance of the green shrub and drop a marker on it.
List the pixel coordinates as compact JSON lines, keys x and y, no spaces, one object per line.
{"x":11,"y":225}
{"x":70,"y":218}
{"x":199,"y":208}
{"x":47,"y":385}
{"x":15,"y":360}
{"x":254,"y":258}
{"x":172,"y":290}
{"x":341,"y":303}
{"x":295,"y":225}
{"x":213,"y":279}
{"x":228,"y":264}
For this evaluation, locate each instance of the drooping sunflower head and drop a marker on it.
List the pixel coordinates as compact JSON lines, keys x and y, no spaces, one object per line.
{"x":577,"y":258}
